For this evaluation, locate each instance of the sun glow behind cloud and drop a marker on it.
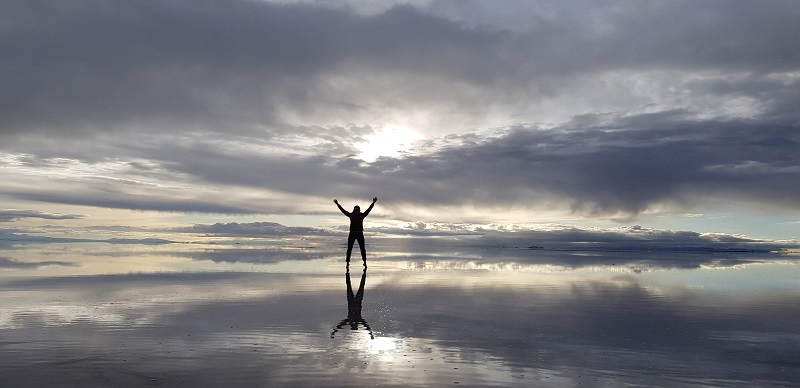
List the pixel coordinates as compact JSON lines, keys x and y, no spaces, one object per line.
{"x":390,"y":141}
{"x":447,"y":111}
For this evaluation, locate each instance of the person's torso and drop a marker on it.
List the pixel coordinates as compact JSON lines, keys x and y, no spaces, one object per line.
{"x":357,"y":222}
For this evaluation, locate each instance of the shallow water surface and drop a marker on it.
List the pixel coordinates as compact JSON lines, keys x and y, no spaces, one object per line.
{"x":94,"y":315}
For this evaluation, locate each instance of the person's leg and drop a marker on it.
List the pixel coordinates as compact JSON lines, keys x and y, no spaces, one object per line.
{"x":351,"y":238}
{"x":360,"y":238}
{"x":350,"y":297}
{"x":359,"y":296}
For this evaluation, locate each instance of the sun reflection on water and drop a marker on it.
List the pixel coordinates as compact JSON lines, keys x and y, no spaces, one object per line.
{"x":382,"y":345}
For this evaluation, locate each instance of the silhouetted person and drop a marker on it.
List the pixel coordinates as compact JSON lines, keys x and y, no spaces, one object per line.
{"x":354,"y":306}
{"x":356,"y":229}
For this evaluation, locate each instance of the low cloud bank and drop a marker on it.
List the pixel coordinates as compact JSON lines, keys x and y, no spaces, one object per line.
{"x":253,"y":229}
{"x":9,"y":215}
{"x":6,"y":263}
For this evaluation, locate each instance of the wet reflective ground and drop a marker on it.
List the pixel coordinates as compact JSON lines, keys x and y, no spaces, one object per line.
{"x":101,"y":315}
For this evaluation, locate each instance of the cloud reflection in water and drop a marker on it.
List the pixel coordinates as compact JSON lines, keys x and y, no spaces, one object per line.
{"x":433,"y":325}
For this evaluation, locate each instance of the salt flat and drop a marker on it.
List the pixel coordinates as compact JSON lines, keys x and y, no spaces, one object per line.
{"x":94,"y":314}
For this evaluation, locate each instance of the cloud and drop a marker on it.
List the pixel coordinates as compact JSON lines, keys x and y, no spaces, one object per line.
{"x":6,"y":263}
{"x":253,"y":67}
{"x":574,"y":238}
{"x":121,"y":65}
{"x":8,"y":215}
{"x":464,"y":246}
{"x":253,"y":229}
{"x":596,"y":165}
{"x":608,"y":110}
{"x":578,"y":328}
{"x":10,"y":237}
{"x":439,"y":236}
{"x":625,"y":165}
{"x":258,"y":256}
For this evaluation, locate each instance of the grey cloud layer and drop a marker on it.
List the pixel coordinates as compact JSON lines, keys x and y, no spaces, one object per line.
{"x":623,"y":166}
{"x":209,"y":98}
{"x":236,"y":64}
{"x":217,"y":65}
{"x":608,"y":166}
{"x":597,"y":165}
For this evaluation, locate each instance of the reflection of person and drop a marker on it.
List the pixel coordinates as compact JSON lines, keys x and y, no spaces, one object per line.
{"x":356,"y":229}
{"x":354,"y":306}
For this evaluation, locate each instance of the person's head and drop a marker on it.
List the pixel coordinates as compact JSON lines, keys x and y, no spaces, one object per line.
{"x":357,"y":209}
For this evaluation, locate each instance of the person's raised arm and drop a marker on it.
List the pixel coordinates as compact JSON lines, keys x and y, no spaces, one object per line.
{"x":375,"y":199}
{"x":341,"y":208}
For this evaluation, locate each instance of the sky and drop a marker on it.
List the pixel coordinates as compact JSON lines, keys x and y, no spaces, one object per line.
{"x":609,"y":116}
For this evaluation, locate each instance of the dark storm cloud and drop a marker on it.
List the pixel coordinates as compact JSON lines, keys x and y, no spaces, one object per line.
{"x":7,"y":215}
